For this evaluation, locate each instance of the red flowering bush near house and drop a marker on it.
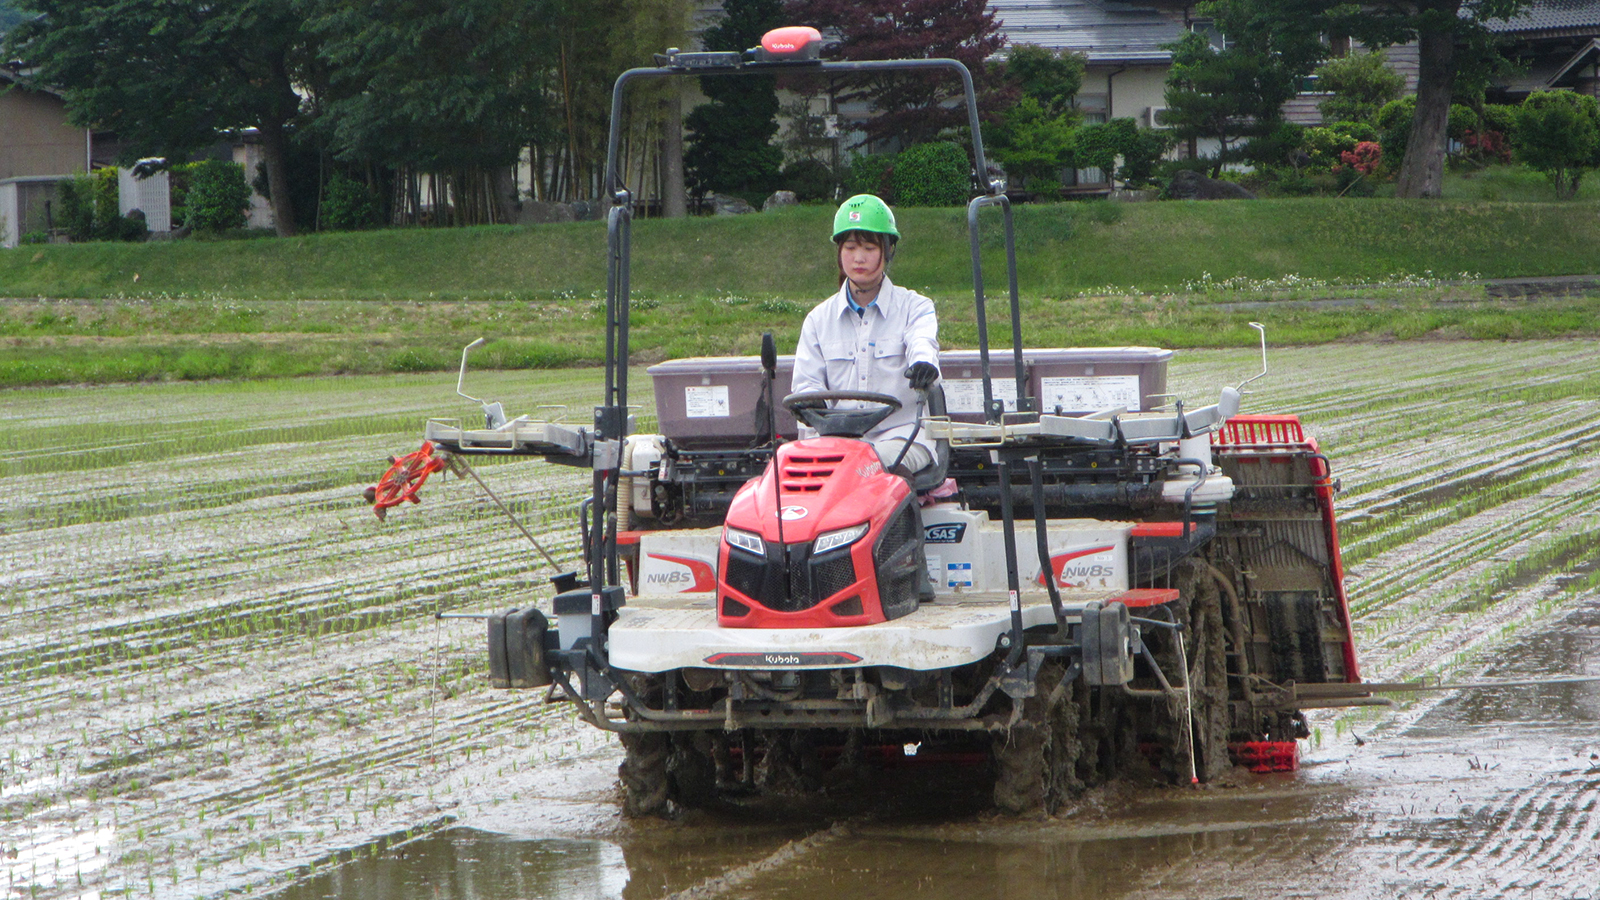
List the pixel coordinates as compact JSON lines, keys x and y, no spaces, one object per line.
{"x":1487,"y":146}
{"x":1365,"y":158}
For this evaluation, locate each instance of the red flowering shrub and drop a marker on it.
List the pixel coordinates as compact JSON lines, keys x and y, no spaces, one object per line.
{"x":1488,"y":146}
{"x":1365,"y":158}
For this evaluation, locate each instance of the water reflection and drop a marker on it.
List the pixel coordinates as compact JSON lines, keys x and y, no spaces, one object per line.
{"x":463,"y":863}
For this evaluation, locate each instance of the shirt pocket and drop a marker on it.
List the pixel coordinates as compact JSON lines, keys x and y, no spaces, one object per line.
{"x":839,"y":357}
{"x":889,"y":351}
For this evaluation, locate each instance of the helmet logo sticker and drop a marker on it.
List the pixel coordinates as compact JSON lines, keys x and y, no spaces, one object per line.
{"x":855,"y":215}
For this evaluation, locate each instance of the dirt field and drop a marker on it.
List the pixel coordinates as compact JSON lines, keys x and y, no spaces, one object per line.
{"x":219,"y":672}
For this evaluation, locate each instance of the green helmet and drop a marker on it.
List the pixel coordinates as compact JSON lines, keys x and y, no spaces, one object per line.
{"x":864,"y":212}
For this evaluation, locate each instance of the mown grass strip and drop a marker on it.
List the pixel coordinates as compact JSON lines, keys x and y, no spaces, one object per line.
{"x":1064,"y":249}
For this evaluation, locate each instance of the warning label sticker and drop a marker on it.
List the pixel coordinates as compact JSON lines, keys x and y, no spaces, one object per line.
{"x":965,"y":395}
{"x":706,"y":402}
{"x":1089,"y":393}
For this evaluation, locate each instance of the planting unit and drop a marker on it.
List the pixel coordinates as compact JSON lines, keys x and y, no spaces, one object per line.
{"x":1093,"y":575}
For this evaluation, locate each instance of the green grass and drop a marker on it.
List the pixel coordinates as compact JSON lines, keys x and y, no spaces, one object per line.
{"x":1168,"y":274}
{"x":1064,"y":249}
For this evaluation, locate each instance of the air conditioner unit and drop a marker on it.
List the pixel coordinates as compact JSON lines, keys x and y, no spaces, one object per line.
{"x":1150,"y":115}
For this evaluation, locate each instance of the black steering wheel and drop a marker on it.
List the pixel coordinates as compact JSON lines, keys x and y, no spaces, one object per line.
{"x":812,"y":406}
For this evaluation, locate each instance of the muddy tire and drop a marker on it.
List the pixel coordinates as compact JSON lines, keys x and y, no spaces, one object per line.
{"x":1036,"y":760}
{"x":692,"y":769}
{"x":1211,"y":715}
{"x":644,"y":774}
{"x":1019,"y":761}
{"x":1198,"y":724}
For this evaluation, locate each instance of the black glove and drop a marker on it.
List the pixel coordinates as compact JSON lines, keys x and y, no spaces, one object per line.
{"x":922,"y":375}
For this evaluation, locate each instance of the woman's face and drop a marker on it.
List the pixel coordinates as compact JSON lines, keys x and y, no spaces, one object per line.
{"x":861,"y":260}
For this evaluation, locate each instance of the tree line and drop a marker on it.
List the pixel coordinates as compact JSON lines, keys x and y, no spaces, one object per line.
{"x":416,"y":110}
{"x":397,"y":96}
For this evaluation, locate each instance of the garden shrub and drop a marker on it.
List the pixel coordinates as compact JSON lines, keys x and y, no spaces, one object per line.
{"x":1323,"y":147}
{"x":1356,"y":131}
{"x":1142,"y":149}
{"x":1098,"y":146}
{"x":87,"y":209}
{"x":1394,"y":126}
{"x":1360,"y":85}
{"x":872,"y":174}
{"x":1499,"y":117}
{"x":934,"y":174}
{"x":217,"y":196}
{"x":108,"y":223}
{"x":1032,"y":142}
{"x":1291,"y":183}
{"x":75,"y":207}
{"x":348,"y":204}
{"x":1463,"y":119}
{"x":1558,"y":133}
{"x":810,"y":179}
{"x":1277,"y":147}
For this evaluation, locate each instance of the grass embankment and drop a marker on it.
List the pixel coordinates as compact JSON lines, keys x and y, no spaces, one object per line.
{"x":1093,"y":273}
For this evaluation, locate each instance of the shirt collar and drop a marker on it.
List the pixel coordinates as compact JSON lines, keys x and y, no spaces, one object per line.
{"x":850,"y":305}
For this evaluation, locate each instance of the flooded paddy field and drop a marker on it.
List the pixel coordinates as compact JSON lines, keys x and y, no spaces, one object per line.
{"x":222,"y":674}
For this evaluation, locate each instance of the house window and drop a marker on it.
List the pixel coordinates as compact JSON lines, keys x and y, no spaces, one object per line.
{"x":1208,"y":29}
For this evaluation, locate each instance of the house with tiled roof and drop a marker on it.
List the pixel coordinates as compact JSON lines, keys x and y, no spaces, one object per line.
{"x":1556,"y":42}
{"x":1559,"y":43}
{"x":1123,"y":41}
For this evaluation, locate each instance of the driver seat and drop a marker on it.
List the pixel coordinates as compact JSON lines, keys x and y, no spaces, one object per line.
{"x":934,"y":474}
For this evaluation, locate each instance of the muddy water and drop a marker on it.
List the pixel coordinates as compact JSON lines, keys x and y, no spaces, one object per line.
{"x":1486,"y":793}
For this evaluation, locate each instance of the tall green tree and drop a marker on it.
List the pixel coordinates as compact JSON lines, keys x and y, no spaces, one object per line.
{"x":918,"y":107}
{"x":173,"y":76}
{"x":1226,"y":95}
{"x":1451,"y":37}
{"x":1051,"y":77}
{"x":1033,"y":139}
{"x":1359,"y":84}
{"x":1236,"y":91}
{"x":443,"y":87}
{"x":585,"y":45}
{"x":730,"y":138}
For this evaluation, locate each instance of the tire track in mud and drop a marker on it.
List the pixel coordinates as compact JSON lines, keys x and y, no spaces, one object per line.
{"x":1539,"y":843}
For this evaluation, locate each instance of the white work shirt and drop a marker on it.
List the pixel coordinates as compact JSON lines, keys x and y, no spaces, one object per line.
{"x":842,"y":351}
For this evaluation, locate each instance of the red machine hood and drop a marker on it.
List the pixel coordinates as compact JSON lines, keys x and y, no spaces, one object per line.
{"x":825,"y":484}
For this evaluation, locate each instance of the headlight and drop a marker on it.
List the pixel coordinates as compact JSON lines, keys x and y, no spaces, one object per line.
{"x":833,"y":540}
{"x":746,"y":541}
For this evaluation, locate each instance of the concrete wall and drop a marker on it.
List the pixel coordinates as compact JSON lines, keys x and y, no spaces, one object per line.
{"x":259,"y":215}
{"x":151,"y":196}
{"x":35,"y":138}
{"x":23,"y":206}
{"x":9,"y":229}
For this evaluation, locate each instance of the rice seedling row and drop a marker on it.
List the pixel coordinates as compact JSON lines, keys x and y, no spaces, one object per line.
{"x":217,"y":669}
